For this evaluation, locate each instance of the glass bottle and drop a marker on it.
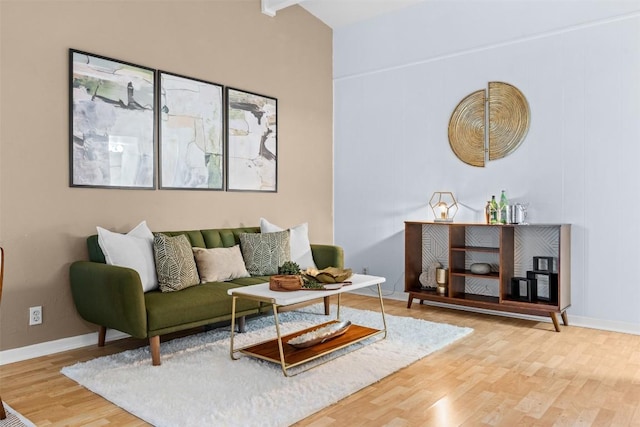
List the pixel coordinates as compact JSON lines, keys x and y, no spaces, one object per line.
{"x":493,"y":211}
{"x":503,"y":207}
{"x":487,"y":212}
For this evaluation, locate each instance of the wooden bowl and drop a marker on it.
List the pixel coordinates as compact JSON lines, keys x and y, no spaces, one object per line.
{"x":285,"y":282}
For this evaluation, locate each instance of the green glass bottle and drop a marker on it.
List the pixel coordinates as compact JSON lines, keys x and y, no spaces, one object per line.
{"x":493,"y":211}
{"x":503,"y":207}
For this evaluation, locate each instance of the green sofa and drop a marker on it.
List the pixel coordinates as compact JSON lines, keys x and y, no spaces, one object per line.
{"x":112,"y":296}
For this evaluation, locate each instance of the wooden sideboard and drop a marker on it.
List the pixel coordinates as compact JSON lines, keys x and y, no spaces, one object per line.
{"x":514,"y":284}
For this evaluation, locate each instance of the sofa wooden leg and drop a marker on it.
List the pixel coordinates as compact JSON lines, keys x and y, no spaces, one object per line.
{"x":154,"y":343}
{"x":327,"y":305}
{"x":102,"y":336}
{"x":242,"y":323}
{"x":3,"y":414}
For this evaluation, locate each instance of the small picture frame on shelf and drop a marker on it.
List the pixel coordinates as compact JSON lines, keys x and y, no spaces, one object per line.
{"x":523,"y":289}
{"x":546,"y":286}
{"x":543,"y":264}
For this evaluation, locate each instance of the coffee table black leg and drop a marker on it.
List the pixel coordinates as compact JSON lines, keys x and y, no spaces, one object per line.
{"x":242,"y":322}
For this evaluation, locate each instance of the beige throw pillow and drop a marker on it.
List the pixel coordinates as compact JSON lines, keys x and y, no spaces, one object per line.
{"x":220,"y":264}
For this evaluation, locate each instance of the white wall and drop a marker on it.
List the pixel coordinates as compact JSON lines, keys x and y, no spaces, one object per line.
{"x":397,"y":79}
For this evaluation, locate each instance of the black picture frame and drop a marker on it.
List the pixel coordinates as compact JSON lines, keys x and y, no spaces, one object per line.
{"x":546,"y":286}
{"x":112,"y":123}
{"x":252,"y":141}
{"x":191,"y":133}
{"x":523,"y":289}
{"x":543,"y":264}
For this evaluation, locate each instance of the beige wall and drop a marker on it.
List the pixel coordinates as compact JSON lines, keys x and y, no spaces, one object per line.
{"x":43,"y":222}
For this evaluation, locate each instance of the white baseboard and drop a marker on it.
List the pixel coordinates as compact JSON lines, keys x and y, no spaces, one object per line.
{"x":604,"y":325}
{"x":72,"y":343}
{"x":57,"y":346}
{"x":580,"y":321}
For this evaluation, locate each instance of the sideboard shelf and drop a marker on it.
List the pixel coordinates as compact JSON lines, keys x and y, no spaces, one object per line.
{"x":475,"y":249}
{"x":468,"y":273}
{"x":509,"y":249}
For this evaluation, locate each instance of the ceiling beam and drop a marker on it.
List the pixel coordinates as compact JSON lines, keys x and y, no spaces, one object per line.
{"x":270,"y":7}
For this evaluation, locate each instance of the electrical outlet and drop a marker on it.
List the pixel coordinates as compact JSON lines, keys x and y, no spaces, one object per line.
{"x":35,"y":315}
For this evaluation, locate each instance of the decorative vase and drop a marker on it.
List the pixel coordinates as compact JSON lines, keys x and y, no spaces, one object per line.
{"x":442,"y":279}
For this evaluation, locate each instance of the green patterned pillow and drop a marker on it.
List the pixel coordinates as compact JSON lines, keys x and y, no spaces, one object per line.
{"x":175,"y":264}
{"x":264,"y":252}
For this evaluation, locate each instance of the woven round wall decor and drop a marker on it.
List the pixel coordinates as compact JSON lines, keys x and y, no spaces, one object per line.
{"x":508,"y":119}
{"x":508,"y":124}
{"x":466,"y":129}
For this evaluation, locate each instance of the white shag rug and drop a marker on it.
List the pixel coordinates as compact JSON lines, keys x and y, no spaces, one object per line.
{"x":199,"y":385}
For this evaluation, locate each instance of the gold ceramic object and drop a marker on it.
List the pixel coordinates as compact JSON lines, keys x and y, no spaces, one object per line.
{"x":329,"y":274}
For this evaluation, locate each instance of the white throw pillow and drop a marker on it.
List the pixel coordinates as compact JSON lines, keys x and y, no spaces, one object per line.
{"x":298,"y":241}
{"x":220,"y":264}
{"x":132,"y":250}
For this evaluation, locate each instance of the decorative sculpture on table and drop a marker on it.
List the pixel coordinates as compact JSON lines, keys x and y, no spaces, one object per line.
{"x":476,"y":137}
{"x":428,"y":277}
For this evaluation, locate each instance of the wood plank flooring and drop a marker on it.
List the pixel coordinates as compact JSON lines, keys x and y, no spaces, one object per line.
{"x":508,"y":372}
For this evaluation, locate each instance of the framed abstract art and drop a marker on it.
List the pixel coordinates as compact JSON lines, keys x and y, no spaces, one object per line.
{"x":191,"y":115}
{"x":112,"y":123}
{"x":252,"y":142}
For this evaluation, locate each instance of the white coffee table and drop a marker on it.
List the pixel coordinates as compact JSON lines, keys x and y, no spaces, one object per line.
{"x":277,"y":350}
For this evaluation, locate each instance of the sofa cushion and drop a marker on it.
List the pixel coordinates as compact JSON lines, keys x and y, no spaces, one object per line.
{"x":132,"y":250}
{"x":248,"y":281}
{"x":224,"y":237}
{"x":298,"y":242}
{"x":264,"y":252}
{"x":194,"y":236}
{"x":220,"y":264}
{"x":208,"y":301}
{"x":175,"y":264}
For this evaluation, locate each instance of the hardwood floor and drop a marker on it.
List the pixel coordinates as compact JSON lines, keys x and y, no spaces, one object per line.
{"x":508,"y":372}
